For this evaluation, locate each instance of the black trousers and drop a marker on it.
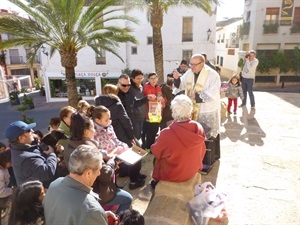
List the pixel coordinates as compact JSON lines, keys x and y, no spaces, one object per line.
{"x":133,"y":171}
{"x":149,"y":133}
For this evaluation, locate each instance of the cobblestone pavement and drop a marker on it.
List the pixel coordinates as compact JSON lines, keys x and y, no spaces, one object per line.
{"x":259,"y":167}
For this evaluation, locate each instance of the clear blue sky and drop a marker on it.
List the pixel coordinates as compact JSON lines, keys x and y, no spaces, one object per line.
{"x":230,"y":9}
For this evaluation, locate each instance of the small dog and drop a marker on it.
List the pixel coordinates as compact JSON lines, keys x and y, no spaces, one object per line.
{"x":53,"y":137}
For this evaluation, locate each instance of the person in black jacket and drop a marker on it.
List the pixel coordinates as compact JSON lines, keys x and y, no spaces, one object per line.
{"x":130,"y":91}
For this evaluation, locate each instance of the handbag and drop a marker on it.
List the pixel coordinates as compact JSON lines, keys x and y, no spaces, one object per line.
{"x":207,"y":203}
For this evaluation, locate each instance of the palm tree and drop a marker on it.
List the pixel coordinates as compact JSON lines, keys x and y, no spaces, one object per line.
{"x":156,"y":10}
{"x":67,"y":26}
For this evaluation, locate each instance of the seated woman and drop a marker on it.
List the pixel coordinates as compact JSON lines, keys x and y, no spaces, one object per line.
{"x":105,"y":133}
{"x":123,"y":129}
{"x":180,"y":159}
{"x":82,"y":132}
{"x":26,"y":207}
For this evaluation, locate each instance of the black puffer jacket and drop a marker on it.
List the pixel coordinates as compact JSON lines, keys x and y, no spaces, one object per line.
{"x":120,"y":121}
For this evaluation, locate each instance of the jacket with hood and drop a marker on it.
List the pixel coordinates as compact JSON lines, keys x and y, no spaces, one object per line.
{"x":120,"y":121}
{"x":180,"y":159}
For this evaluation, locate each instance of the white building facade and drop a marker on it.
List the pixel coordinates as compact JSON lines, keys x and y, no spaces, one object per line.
{"x":271,"y":27}
{"x":184,"y":33}
{"x":227,"y":46}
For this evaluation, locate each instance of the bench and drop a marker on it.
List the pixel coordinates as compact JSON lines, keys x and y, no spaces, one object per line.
{"x":168,"y":205}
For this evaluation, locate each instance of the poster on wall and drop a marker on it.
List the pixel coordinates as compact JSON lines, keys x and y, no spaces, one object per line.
{"x":286,"y":12}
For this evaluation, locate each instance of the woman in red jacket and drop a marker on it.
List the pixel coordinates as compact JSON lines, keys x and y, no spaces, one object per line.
{"x":181,"y":158}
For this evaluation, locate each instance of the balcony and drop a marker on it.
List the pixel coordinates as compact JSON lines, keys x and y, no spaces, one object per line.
{"x":187,"y":37}
{"x":270,"y":27}
{"x":244,"y":29}
{"x":295,"y":28}
{"x":17,"y":60}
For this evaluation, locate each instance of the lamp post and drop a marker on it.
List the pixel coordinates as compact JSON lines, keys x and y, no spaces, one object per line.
{"x":208,"y":34}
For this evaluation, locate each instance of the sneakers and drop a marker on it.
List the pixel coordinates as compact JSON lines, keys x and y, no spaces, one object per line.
{"x":234,"y":113}
{"x":241,"y":105}
{"x":229,"y":112}
{"x":137,"y":184}
{"x":252,"y":106}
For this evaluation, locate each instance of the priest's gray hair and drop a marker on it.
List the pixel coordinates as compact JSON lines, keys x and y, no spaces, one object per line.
{"x":85,"y":157}
{"x":181,"y":107}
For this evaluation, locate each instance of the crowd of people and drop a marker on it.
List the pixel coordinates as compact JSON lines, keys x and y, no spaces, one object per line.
{"x":68,"y":176}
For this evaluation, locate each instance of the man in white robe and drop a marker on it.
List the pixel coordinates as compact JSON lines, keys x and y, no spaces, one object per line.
{"x":202,"y":84}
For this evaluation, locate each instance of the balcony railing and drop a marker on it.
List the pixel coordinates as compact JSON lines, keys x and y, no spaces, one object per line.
{"x":295,"y":28}
{"x":187,"y":37}
{"x":244,"y":29}
{"x":270,"y":27}
{"x":17,"y":60}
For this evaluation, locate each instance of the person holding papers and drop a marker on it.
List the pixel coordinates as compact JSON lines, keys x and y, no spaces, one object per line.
{"x":108,"y":141}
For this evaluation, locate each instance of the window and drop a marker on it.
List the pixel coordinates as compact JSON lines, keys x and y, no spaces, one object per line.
{"x":218,"y":59}
{"x":187,"y":54}
{"x":187,"y":29}
{"x":101,"y":59}
{"x":149,"y":40}
{"x":272,"y":15}
{"x":134,"y":50}
{"x":221,"y":61}
{"x":297,"y":15}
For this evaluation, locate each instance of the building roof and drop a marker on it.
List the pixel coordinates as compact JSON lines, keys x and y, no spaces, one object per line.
{"x":227,"y":22}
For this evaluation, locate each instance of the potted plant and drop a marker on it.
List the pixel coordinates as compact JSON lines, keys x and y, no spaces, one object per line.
{"x":42,"y":91}
{"x":14,"y":98}
{"x":38,"y":83}
{"x":28,"y":102}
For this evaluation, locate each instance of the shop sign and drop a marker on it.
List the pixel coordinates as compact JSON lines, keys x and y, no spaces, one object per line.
{"x":286,"y":12}
{"x":90,"y":74}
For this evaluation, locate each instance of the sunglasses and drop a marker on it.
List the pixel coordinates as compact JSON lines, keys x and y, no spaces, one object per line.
{"x":125,"y":85}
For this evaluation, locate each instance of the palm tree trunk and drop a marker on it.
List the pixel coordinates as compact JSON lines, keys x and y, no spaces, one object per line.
{"x":71,"y":86}
{"x":158,"y":54}
{"x":156,"y":20}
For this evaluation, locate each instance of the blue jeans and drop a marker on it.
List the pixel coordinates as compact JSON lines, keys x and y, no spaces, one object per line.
{"x":123,"y":199}
{"x":247,"y":86}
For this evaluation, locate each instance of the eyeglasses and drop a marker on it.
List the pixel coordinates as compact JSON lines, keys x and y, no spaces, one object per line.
{"x":125,"y":85}
{"x":195,"y":64}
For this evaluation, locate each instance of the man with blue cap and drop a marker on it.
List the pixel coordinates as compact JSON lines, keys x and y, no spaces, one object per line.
{"x":30,"y":161}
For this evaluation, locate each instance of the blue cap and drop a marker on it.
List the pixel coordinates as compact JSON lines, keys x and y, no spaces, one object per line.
{"x":17,"y":128}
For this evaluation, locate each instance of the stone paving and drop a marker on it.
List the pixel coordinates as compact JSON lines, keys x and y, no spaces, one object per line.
{"x":259,"y":167}
{"x":260,"y":164}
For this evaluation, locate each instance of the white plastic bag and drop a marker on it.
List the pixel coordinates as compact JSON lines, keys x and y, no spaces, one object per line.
{"x":207,"y":203}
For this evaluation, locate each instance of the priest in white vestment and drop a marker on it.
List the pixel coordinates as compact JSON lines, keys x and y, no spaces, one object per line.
{"x":202,"y":85}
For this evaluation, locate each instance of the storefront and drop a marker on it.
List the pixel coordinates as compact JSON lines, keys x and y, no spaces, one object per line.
{"x":88,"y":84}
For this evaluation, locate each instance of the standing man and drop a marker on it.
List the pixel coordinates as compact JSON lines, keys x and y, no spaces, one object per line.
{"x":70,"y":199}
{"x":248,"y":74}
{"x":202,"y":84}
{"x":30,"y":161}
{"x":207,"y":62}
{"x":132,"y":97}
{"x":183,"y":67}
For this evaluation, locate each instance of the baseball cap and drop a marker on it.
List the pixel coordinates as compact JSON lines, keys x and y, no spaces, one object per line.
{"x":15,"y":129}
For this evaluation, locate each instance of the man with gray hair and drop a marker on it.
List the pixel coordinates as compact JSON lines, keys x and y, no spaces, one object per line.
{"x":186,"y":149}
{"x":70,"y":199}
